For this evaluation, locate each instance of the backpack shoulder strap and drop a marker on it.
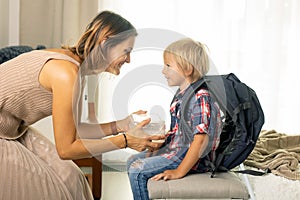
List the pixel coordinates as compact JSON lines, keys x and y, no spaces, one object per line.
{"x":189,"y":94}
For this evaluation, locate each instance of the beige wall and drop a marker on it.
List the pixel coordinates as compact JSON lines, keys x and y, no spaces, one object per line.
{"x":54,"y":22}
{"x":4,"y":22}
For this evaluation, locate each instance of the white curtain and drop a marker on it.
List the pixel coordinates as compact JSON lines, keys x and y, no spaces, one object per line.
{"x":255,"y":39}
{"x":103,"y":96}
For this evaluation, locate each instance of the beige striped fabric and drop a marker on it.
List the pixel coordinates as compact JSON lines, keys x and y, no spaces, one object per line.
{"x":23,"y":100}
{"x":30,"y":167}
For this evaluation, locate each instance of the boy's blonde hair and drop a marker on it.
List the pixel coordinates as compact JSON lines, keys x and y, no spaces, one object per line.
{"x":189,"y":53}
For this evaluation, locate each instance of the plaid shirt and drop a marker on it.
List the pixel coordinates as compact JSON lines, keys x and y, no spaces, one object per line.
{"x":204,"y":118}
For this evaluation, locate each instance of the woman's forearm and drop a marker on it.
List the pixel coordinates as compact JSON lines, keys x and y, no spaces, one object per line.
{"x":83,"y":148}
{"x":97,"y":131}
{"x":110,"y":128}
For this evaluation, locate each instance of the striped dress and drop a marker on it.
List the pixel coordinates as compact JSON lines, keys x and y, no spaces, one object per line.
{"x":29,"y":164}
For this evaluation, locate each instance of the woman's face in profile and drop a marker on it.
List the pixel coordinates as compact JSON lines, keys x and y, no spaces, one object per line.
{"x":119,"y":55}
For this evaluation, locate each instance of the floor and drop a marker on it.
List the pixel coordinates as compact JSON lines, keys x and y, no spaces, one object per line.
{"x":115,"y":186}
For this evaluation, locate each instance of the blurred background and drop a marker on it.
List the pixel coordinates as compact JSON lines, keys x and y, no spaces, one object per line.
{"x":257,"y":40}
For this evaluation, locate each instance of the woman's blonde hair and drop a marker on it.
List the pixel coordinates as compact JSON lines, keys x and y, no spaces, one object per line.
{"x":189,"y":53}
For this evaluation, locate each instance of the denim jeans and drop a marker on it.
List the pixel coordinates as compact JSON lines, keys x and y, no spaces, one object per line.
{"x":140,"y":168}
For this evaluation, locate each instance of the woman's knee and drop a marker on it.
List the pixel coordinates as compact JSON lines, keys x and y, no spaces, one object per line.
{"x":70,"y":171}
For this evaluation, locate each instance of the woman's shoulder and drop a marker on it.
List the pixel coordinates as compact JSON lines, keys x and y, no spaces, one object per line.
{"x":63,"y":54}
{"x":59,"y":69}
{"x":62,"y":60}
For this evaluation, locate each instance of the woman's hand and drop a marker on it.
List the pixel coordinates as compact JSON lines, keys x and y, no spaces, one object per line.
{"x":138,"y":140}
{"x":123,"y":125}
{"x":168,"y":175}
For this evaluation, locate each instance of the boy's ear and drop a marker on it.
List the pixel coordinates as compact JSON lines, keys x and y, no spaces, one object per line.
{"x":189,"y":70}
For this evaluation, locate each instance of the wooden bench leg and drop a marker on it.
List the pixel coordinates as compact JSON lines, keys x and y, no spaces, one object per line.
{"x":95,"y":180}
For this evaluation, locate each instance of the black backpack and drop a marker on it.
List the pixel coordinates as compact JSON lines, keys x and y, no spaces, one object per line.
{"x":242,"y":121}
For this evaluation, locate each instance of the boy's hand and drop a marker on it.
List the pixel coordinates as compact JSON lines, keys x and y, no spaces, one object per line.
{"x":168,"y":175}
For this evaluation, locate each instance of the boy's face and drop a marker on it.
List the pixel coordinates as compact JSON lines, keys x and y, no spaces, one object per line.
{"x":174,"y":73}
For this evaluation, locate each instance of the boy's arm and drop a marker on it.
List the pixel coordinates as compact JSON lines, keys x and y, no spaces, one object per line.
{"x":192,"y":156}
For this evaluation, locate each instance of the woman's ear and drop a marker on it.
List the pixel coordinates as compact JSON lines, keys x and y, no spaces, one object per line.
{"x":102,"y":42}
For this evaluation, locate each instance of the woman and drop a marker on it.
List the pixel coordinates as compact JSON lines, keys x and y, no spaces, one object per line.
{"x":40,"y":83}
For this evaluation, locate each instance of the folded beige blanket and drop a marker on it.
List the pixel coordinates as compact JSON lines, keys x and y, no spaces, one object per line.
{"x":277,"y":152}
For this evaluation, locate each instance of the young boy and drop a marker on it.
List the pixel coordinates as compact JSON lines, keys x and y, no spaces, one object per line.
{"x":186,"y":61}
